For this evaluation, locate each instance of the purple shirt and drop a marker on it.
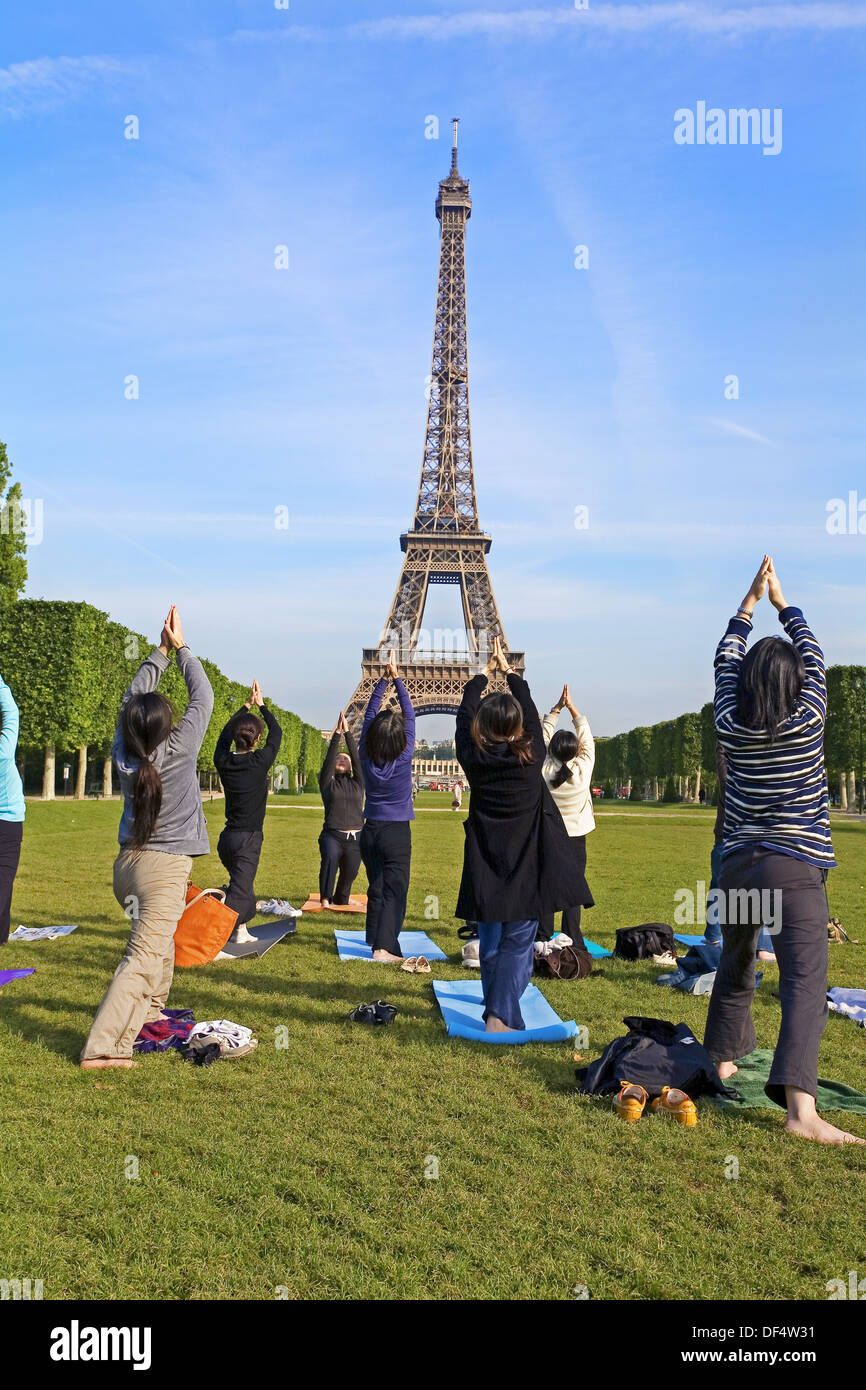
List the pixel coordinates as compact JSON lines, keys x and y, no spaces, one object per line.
{"x":389,"y":788}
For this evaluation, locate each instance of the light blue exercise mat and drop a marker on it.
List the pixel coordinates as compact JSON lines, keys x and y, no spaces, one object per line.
{"x":462,"y":1005}
{"x":352,"y":946}
{"x":688,"y":940}
{"x":597,"y":952}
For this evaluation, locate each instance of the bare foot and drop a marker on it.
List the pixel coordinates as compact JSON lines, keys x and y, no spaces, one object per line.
{"x":495,"y":1025}
{"x":819,"y":1130}
{"x":325,"y":904}
{"x":767,"y":955}
{"x":385,"y":958}
{"x":726,"y":1069}
{"x":99,"y":1063}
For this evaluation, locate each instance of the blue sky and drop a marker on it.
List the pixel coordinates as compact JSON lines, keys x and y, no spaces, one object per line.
{"x":305,"y":388}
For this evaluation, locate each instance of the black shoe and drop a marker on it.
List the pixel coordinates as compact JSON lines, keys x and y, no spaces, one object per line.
{"x":373,"y":1014}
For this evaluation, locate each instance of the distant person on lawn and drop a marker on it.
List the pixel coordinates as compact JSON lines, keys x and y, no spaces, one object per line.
{"x":567,"y":771}
{"x":518,"y":863}
{"x":387,"y":745}
{"x":244,"y":774}
{"x":770,"y":710}
{"x":341,"y":783}
{"x":162,"y":829}
{"x":12,"y":808}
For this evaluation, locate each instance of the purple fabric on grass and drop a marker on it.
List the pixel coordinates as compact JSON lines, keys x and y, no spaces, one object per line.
{"x":7,"y":975}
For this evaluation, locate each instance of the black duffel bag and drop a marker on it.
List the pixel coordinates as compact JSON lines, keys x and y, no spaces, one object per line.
{"x":640,"y":943}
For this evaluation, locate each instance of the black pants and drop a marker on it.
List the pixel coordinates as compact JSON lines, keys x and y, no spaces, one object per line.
{"x":10,"y":852}
{"x":571,"y":915}
{"x":239,"y":851}
{"x":339,"y":850}
{"x":801,"y":951}
{"x":386,"y":849}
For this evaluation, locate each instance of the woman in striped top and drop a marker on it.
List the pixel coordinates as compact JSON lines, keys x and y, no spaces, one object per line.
{"x":770,"y":708}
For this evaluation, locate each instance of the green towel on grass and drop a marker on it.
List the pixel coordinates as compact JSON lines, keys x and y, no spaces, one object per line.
{"x":752,"y":1077}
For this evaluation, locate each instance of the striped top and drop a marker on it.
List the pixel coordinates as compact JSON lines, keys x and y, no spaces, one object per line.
{"x":776,"y":793}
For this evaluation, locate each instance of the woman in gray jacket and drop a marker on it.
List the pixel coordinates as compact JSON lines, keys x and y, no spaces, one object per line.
{"x":162,"y":829}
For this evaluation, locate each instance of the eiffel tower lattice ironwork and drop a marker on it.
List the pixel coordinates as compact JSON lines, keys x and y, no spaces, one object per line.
{"x":446,"y":544}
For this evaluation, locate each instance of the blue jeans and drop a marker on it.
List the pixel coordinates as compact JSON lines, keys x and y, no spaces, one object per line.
{"x":506,"y":950}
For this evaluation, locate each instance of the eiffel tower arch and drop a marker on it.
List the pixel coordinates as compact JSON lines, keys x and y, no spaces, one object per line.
{"x":446,"y":544}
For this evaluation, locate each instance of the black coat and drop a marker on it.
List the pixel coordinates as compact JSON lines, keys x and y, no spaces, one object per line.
{"x":518,"y":862}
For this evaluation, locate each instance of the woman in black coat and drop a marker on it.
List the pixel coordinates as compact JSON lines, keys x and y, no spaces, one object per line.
{"x":517,"y":865}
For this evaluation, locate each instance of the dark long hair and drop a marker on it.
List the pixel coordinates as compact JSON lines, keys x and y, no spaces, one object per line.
{"x":499,"y":719}
{"x":385,"y":739}
{"x":769,"y":686}
{"x":563,"y":747}
{"x":145,"y":723}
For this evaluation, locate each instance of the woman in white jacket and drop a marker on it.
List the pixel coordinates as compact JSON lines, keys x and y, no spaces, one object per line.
{"x":567,"y":771}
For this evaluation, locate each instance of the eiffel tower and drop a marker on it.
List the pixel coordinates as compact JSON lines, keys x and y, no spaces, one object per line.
{"x":446,"y":544}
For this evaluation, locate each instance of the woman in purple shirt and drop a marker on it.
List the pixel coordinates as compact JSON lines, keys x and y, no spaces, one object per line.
{"x":387,"y":745}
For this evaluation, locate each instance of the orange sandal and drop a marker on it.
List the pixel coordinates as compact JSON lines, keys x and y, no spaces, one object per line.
{"x":676,"y":1104}
{"x":631,"y":1102}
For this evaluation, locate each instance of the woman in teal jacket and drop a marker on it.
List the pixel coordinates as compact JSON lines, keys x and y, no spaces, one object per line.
{"x":11,"y":805}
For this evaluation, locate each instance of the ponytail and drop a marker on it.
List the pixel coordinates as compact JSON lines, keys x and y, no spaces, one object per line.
{"x":563,"y":747}
{"x":145,"y":723}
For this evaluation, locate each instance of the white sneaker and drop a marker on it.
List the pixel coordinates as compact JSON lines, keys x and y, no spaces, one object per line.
{"x":471,"y":954}
{"x":561,"y":940}
{"x":240,"y":934}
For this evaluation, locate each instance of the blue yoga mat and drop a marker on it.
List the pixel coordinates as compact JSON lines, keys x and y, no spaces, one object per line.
{"x":352,"y":946}
{"x":597,"y":952}
{"x":689,"y":940}
{"x":462,"y":1005}
{"x":7,"y":975}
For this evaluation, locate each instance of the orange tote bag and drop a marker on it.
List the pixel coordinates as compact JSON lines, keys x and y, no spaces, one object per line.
{"x":204,"y":927}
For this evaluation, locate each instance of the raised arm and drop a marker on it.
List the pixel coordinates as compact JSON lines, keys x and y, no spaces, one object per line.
{"x":326,"y":776}
{"x":472,"y":693}
{"x":531,"y":722}
{"x":352,"y":746}
{"x":585,"y":746}
{"x":408,"y":715}
{"x":274,"y":738}
{"x":548,"y":726}
{"x":814,"y":692}
{"x":374,"y":705}
{"x":223,"y":750}
{"x":732,"y":649}
{"x":193,"y":726}
{"x":10,"y":717}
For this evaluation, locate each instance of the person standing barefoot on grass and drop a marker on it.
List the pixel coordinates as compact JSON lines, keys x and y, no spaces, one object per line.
{"x":341,"y":784}
{"x":518,"y":863}
{"x":770,"y":709}
{"x":387,"y":745}
{"x":162,"y":828}
{"x":12,"y":807}
{"x":567,"y":771}
{"x":244,"y":776}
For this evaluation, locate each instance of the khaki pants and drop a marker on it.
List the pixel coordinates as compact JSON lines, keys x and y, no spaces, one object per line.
{"x":151,"y":886}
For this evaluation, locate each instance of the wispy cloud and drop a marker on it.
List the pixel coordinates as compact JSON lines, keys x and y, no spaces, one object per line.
{"x":683,"y":15}
{"x":40,"y":84}
{"x":730,"y":427}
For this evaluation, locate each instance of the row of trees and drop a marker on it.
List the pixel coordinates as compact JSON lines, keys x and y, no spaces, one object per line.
{"x":678,"y":756}
{"x":68,"y":666}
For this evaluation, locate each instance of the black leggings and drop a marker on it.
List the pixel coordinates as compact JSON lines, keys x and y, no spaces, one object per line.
{"x":801,"y":951}
{"x":386,"y":848}
{"x":239,"y":851}
{"x":570,"y":915}
{"x":342,"y":851}
{"x":10,"y":852}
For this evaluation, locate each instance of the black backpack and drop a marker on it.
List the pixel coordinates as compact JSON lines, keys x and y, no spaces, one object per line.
{"x":649,"y":939}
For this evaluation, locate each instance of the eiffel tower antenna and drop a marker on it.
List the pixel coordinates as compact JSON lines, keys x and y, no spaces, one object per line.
{"x":445,"y":544}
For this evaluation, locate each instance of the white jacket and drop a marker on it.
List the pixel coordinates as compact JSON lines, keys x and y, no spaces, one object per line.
{"x":573,"y":797}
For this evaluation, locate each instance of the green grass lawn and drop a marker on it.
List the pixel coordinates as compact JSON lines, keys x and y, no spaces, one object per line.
{"x":302,"y":1168}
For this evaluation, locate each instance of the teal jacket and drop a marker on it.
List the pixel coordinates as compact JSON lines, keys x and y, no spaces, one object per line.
{"x":11,"y":790}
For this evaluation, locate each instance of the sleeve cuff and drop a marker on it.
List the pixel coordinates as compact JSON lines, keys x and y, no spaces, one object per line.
{"x":159,"y":659}
{"x":786,"y":614}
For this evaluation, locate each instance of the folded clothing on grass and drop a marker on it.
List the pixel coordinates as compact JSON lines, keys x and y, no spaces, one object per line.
{"x":41,"y":933}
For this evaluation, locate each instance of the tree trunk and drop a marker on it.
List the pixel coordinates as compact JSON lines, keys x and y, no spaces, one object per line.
{"x":81,"y":775}
{"x":698,"y":785}
{"x":852,"y":791}
{"x":843,"y":792}
{"x":48,"y":773}
{"x":106,"y":777}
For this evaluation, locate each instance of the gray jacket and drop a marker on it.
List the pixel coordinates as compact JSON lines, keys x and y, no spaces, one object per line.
{"x":181,"y":827}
